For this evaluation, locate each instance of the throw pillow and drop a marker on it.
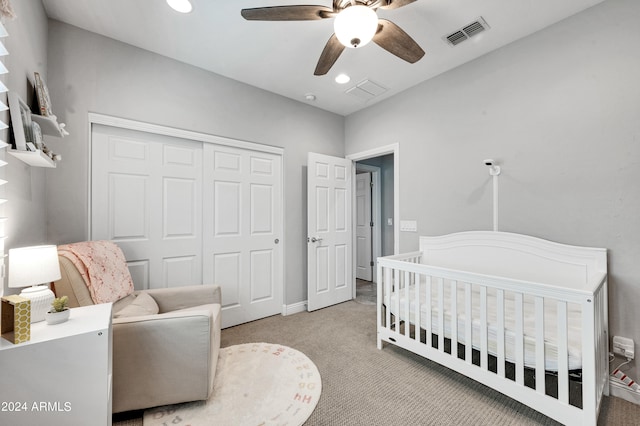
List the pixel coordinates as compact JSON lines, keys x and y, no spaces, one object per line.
{"x":143,"y":305}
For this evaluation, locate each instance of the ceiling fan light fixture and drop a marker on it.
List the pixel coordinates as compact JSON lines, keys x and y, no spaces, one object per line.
{"x":182,"y":6}
{"x":355,"y":26}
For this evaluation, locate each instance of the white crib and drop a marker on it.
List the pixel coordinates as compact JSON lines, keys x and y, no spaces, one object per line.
{"x":534,"y":311}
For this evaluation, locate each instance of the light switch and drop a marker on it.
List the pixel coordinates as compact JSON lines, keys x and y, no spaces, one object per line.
{"x":408,"y":226}
{"x":390,"y":221}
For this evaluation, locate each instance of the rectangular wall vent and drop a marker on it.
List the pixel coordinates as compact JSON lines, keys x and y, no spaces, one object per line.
{"x":466,"y":32}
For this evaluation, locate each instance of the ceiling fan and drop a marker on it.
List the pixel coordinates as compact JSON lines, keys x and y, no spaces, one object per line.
{"x":356,"y":23}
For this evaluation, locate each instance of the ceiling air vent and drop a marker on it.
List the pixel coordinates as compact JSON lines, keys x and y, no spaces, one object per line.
{"x":366,"y":90}
{"x":466,"y":32}
{"x":457,"y":37}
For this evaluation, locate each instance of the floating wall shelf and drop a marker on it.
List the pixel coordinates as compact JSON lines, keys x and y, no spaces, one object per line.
{"x":33,"y":158}
{"x":48,"y":125}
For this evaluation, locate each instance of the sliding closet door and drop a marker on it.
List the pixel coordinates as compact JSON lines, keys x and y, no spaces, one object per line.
{"x":146,"y":196}
{"x":243,"y":231}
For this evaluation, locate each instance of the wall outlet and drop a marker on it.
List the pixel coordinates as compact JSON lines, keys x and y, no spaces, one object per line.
{"x":623,"y":346}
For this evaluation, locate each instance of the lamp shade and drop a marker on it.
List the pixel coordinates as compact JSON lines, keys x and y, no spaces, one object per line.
{"x":33,"y":265}
{"x":182,"y":6}
{"x":355,"y":26}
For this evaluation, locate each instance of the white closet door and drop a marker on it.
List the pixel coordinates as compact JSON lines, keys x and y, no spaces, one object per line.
{"x":146,"y":196}
{"x":243,"y":231}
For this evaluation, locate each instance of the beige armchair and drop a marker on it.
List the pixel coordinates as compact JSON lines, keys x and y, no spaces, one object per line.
{"x":159,"y":358}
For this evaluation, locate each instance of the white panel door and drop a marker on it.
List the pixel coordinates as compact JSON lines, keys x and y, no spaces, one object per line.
{"x":146,"y":197}
{"x":243,"y":231}
{"x":364,"y":266}
{"x":329,"y":241}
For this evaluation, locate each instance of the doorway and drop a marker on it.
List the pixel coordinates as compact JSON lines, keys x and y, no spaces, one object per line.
{"x":382,"y":165}
{"x":331,"y":215}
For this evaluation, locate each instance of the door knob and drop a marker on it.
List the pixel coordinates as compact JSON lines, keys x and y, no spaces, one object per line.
{"x":315,"y":239}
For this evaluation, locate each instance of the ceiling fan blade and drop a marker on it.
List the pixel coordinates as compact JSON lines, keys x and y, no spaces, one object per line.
{"x":329,"y":56}
{"x":287,"y":13}
{"x":395,"y":4}
{"x":394,"y":40}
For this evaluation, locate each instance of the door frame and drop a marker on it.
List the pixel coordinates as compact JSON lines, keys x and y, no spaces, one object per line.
{"x":376,"y":199}
{"x":124,"y":123}
{"x":364,"y":155}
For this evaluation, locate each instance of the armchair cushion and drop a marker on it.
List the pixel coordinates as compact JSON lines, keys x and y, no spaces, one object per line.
{"x":143,"y":304}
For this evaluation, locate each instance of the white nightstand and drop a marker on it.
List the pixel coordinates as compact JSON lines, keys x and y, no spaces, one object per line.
{"x":62,"y":376}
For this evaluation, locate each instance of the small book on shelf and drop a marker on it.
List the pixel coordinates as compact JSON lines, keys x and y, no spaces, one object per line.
{"x":42,"y":95}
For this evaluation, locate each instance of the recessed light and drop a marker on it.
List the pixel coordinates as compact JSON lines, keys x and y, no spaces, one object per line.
{"x":342,"y":79}
{"x":182,"y":6}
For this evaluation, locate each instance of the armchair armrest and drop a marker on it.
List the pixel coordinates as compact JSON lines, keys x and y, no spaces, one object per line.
{"x":159,"y":358}
{"x":174,"y":298}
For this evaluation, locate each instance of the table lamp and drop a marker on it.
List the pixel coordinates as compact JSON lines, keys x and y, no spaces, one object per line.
{"x":35,"y":266}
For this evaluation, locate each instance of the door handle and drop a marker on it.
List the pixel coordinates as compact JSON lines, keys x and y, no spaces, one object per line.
{"x":316,"y":239}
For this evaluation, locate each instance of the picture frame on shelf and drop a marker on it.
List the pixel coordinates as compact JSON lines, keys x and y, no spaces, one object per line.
{"x":36,"y":135}
{"x":42,"y":96}
{"x":20,"y":121}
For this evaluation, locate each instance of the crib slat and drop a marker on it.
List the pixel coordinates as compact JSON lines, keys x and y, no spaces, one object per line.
{"x":379,"y":293}
{"x":407,"y":301}
{"x":454,"y":318}
{"x":468,"y":324}
{"x":428,"y":319}
{"x":441,"y":314}
{"x":602,"y":340}
{"x":484,"y":353}
{"x":519,"y":339}
{"x":500,"y":331}
{"x":418,"y":307}
{"x":563,"y":353}
{"x":540,"y":363}
{"x":387,"y":295}
{"x":588,"y":354}
{"x":397,"y":282}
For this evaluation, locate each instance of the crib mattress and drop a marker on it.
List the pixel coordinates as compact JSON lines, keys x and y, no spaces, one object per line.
{"x":529,"y":322}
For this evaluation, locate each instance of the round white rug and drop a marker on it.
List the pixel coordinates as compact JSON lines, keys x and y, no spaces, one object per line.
{"x":255,"y":384}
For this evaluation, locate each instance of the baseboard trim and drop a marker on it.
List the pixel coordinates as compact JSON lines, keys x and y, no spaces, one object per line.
{"x":620,"y":390}
{"x":294,"y":308}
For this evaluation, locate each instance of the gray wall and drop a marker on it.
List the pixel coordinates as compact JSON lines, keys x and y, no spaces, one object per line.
{"x":91,"y":73}
{"x":560,"y":109}
{"x":25,"y":191}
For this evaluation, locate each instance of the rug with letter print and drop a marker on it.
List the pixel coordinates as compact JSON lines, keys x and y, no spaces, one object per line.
{"x":255,"y":384}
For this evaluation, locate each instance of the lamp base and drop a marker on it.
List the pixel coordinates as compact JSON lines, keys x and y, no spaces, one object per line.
{"x":41,"y":297}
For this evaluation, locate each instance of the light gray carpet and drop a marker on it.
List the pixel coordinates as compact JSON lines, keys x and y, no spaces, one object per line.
{"x":364,"y":386}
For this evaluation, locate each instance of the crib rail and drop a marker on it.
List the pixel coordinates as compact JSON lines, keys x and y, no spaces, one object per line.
{"x":413,"y":312}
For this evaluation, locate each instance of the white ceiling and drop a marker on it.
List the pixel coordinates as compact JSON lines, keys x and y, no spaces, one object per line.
{"x":281,"y":56}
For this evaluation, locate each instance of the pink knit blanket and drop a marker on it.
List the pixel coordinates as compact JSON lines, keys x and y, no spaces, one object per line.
{"x":103,"y":268}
